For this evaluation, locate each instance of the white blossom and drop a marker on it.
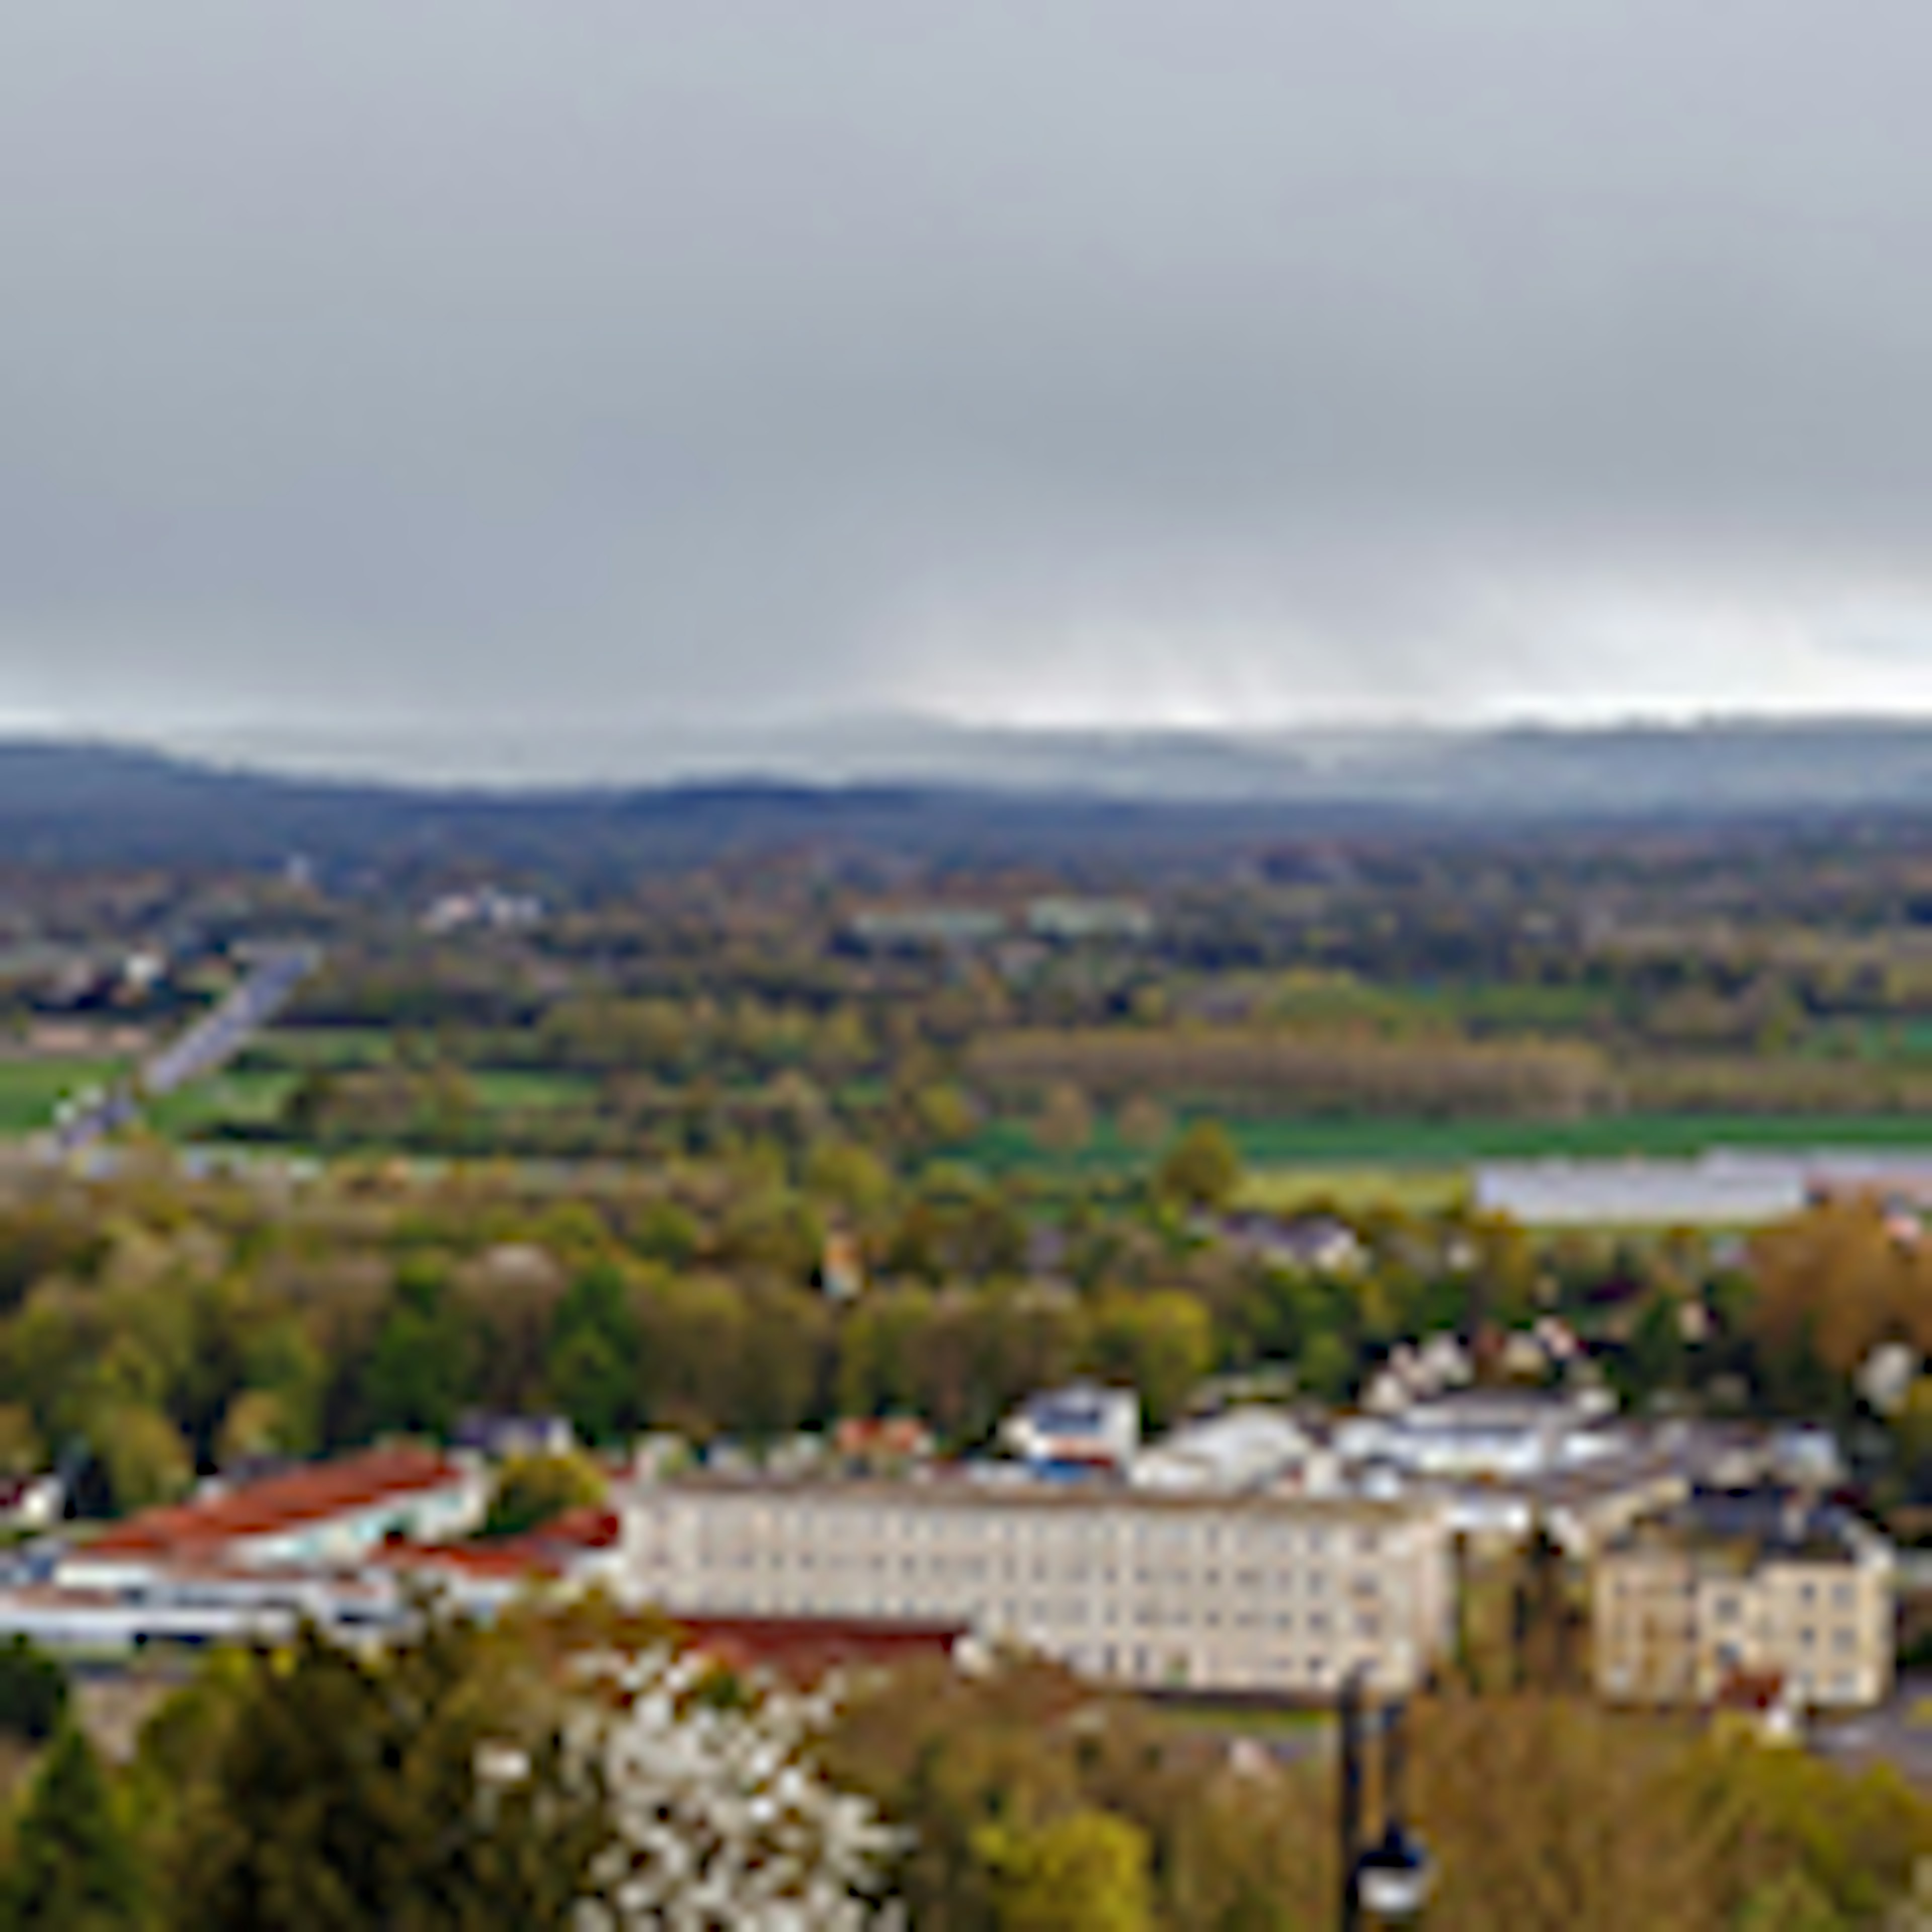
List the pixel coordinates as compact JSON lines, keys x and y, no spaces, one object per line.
{"x":721,"y":1819}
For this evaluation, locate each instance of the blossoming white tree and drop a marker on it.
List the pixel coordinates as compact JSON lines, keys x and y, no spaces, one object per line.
{"x":721,"y":1819}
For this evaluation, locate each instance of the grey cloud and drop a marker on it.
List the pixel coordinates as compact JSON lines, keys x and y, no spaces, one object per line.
{"x":469,"y":360}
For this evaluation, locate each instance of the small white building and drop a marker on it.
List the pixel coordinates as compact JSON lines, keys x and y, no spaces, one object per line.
{"x":1498,"y":1434}
{"x":1250,"y":1448}
{"x":1082,"y":1425}
{"x":31,"y":1502}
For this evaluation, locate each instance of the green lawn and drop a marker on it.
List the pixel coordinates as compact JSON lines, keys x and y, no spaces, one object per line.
{"x":1356,"y":1190}
{"x":246,"y":1094}
{"x":1423,"y":1166}
{"x":321,"y":1046}
{"x":240,"y":1096}
{"x":1290,"y":1142}
{"x":30,"y":1088}
{"x":1456,"y":1143}
{"x":1233,"y":1718}
{"x":508,"y":1090}
{"x":254,"y":1097}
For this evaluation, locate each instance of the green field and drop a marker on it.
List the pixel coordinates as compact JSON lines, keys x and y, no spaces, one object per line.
{"x":30,"y":1088}
{"x":240,"y":1096}
{"x":1292,"y":1142}
{"x":321,"y":1046}
{"x":1458,"y":1143}
{"x":516,"y":1089}
{"x":1422,"y":1167}
{"x":246,"y":1095}
{"x":1355,"y":1190}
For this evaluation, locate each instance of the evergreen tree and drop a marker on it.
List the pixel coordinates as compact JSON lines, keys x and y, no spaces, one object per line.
{"x":74,"y":1869}
{"x":418,"y":1790}
{"x":33,"y":1691}
{"x":591,"y":1360}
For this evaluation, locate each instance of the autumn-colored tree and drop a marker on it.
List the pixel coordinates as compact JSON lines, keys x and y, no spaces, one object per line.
{"x":1142,"y":1122}
{"x":532,"y":1490}
{"x":1162,"y":1344}
{"x":20,"y":1449}
{"x":1547,"y":1816}
{"x":1085,"y":1871}
{"x":1201,"y":1169}
{"x":1065,"y":1123}
{"x":1835,"y":1282}
{"x":141,"y":1455}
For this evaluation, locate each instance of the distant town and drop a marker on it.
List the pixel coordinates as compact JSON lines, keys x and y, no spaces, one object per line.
{"x":1470,"y":1295}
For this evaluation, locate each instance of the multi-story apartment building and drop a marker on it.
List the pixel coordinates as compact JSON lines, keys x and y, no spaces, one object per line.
{"x":1749,"y":1584}
{"x":1246,"y":1593}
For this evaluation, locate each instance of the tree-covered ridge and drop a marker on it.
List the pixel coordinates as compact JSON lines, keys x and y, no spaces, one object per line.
{"x":576,"y":1771}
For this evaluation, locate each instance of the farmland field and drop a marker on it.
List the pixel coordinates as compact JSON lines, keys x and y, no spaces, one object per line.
{"x":29,"y":1088}
{"x":1422,"y":1167}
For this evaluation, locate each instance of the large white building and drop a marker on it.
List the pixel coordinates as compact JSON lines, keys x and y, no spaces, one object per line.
{"x":1755,"y":1583}
{"x":1234,"y":1593}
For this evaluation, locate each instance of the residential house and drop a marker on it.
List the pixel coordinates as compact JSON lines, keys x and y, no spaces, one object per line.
{"x":1763,"y":1582}
{"x":1081,"y":1428}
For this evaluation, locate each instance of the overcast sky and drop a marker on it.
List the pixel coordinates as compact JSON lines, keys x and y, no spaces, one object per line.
{"x":614,"y":364}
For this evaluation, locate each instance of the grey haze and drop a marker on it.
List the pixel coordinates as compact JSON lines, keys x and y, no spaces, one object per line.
{"x":602,"y":375}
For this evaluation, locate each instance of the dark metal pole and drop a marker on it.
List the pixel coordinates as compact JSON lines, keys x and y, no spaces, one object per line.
{"x":1395,"y":1764}
{"x":1348,"y":1711}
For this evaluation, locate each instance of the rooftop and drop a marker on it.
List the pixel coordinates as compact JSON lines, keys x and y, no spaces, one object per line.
{"x":1737,"y":1529}
{"x":310,"y":1495}
{"x":804,"y":1648}
{"x":957,"y":1491}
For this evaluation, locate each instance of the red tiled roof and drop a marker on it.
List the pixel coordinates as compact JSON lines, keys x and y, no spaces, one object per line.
{"x":544,"y":1551}
{"x":804,"y":1648}
{"x":306,"y":1495}
{"x":508,"y":1561}
{"x":1751,"y":1691}
{"x":588,"y":1528}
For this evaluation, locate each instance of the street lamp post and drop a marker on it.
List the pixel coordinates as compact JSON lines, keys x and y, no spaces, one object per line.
{"x":1391,"y":1877}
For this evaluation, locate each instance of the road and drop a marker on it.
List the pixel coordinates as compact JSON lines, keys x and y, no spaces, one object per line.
{"x":273,"y":974}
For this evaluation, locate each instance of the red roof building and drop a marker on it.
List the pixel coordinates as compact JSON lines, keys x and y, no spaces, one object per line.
{"x":324,"y":1513}
{"x":804,"y":1649}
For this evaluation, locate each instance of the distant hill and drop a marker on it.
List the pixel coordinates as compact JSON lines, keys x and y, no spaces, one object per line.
{"x":934,"y":791}
{"x":1721,"y":766}
{"x":1523,"y":771}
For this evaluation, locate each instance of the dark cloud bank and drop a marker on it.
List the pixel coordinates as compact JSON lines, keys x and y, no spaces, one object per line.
{"x":481,"y":372}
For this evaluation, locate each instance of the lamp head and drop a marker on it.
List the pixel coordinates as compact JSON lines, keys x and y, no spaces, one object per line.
{"x":1396,"y":1876}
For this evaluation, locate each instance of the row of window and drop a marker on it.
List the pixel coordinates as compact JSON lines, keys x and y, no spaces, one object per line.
{"x":1161,"y":1531}
{"x":1311,"y":1582}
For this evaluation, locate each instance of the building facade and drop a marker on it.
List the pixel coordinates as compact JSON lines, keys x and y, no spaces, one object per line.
{"x":1726,"y":1588}
{"x":1280,"y":1595}
{"x":318,"y":1514}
